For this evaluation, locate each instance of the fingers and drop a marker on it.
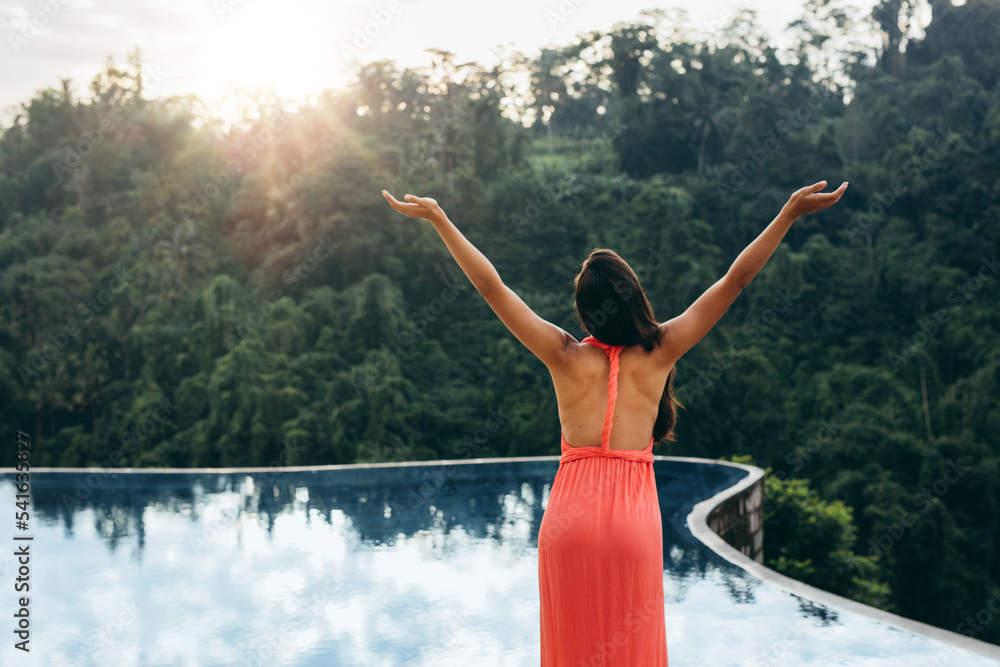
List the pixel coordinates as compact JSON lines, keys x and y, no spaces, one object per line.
{"x":400,"y":206}
{"x":809,"y":189}
{"x":410,"y":199}
{"x":813,"y":191}
{"x":395,"y":203}
{"x":415,"y":207}
{"x":834,"y":196}
{"x":831,"y":198}
{"x":822,"y":184}
{"x":425,"y":201}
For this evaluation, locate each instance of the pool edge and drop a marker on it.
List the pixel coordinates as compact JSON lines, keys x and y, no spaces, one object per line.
{"x":697,"y":522}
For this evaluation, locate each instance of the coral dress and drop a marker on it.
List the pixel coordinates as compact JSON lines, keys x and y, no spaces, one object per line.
{"x":600,"y":554}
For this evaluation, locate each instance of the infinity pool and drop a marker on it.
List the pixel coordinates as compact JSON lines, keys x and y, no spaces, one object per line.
{"x":378,"y":565}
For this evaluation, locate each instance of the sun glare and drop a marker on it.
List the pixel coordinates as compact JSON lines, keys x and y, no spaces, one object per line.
{"x":275,"y":46}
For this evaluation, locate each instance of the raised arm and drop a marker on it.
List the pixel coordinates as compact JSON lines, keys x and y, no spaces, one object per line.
{"x":682,"y":332}
{"x":544,"y":339}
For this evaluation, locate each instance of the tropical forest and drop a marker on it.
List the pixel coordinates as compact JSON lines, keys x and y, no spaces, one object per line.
{"x":181,"y":289}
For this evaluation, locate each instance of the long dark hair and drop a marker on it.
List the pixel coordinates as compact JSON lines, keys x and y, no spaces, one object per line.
{"x":613,"y":308}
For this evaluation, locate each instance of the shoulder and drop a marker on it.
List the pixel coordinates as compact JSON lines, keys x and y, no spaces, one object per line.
{"x":665,"y":348}
{"x":574,"y":357}
{"x":662,"y":353}
{"x":569,"y":348}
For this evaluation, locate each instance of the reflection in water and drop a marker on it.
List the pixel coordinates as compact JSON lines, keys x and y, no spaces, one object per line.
{"x":405,"y":565}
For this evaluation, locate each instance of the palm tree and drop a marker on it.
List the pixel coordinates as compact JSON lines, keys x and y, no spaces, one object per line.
{"x":182,"y":255}
{"x":710,"y":121}
{"x":548,"y":87}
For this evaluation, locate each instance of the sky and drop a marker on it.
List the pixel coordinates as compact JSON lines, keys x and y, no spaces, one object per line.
{"x":212,"y":47}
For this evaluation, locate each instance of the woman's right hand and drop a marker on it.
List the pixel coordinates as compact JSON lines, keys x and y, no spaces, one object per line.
{"x":808,"y":200}
{"x":425,"y":208}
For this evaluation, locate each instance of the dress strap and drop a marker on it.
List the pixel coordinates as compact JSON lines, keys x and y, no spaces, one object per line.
{"x":613,"y":352}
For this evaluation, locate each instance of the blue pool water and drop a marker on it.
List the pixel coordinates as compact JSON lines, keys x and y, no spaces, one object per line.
{"x":400,"y":565}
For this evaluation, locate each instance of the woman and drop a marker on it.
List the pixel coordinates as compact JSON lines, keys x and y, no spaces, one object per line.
{"x":600,"y":546}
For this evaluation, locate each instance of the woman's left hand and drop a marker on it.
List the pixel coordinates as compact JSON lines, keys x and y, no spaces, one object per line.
{"x":417,"y":207}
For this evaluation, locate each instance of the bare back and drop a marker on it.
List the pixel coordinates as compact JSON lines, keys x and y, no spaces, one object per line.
{"x":581,"y":387}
